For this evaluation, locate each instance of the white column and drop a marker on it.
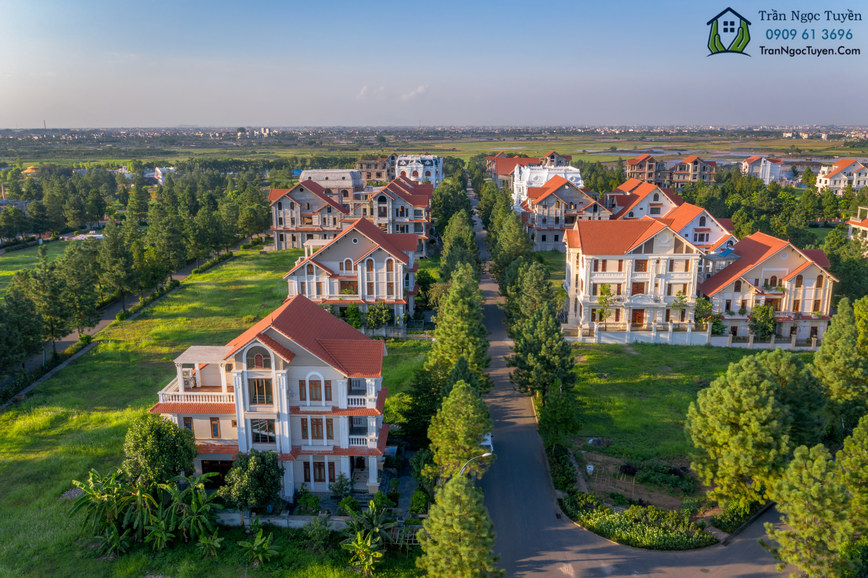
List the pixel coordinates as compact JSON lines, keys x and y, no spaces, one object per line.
{"x":312,"y":482}
{"x":372,"y":470}
{"x":180,"y":371}
{"x":223,"y":386}
{"x":288,"y":481}
{"x":344,"y":431}
{"x":240,"y":401}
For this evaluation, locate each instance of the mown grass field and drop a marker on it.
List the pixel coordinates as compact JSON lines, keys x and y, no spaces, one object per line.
{"x":403,"y":359}
{"x":26,"y":259}
{"x":637,"y":396}
{"x":556,"y":264}
{"x":77,"y":421}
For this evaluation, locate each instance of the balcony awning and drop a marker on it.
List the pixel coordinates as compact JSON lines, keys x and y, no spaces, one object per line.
{"x":204,"y":354}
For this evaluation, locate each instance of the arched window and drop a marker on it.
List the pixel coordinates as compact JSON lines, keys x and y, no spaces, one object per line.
{"x":656,"y":197}
{"x":369,"y":265}
{"x":799,"y":280}
{"x":773,"y":282}
{"x":382,"y":200}
{"x":348,"y":265}
{"x":701,"y":221}
{"x":737,"y":287}
{"x":403,"y":173}
{"x":415,"y":173}
{"x":291,"y":206}
{"x":390,"y":266}
{"x":307,"y":206}
{"x":427,"y":173}
{"x":258,"y":358}
{"x":819,"y":281}
{"x":309,"y":269}
{"x":279,"y":205}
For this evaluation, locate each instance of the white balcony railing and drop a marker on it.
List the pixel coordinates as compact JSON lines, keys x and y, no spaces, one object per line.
{"x":358,"y":441}
{"x":170,"y":394}
{"x":357,"y":401}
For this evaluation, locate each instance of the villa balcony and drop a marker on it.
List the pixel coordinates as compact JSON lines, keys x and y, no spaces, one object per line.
{"x":204,"y":394}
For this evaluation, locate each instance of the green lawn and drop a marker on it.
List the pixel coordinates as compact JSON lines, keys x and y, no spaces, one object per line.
{"x":77,"y":421}
{"x":556,"y":263}
{"x":26,"y":259}
{"x":404,"y":357}
{"x":430,"y":264}
{"x":637,"y":396}
{"x":820,"y":233}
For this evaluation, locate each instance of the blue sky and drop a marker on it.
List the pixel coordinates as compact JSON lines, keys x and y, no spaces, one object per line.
{"x":105,"y":63}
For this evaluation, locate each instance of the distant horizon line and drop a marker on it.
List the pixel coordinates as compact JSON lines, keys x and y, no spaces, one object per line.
{"x":447,"y":126}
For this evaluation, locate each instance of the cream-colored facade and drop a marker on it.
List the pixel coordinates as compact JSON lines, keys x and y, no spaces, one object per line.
{"x":362,"y":266}
{"x":645,"y":264}
{"x":770,"y":271}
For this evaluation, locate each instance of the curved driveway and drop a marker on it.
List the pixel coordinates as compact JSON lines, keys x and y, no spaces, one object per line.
{"x":531,"y":539}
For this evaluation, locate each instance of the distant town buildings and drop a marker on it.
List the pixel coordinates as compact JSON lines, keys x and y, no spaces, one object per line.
{"x":768,"y":170}
{"x":841,"y":174}
{"x":646,"y":168}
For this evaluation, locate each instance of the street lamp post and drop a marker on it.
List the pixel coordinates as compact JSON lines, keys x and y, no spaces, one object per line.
{"x":485,"y":455}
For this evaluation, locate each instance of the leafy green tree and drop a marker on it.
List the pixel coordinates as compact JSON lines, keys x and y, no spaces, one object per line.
{"x":353,"y":315}
{"x":809,"y":178}
{"x":365,"y":551}
{"x":449,"y":197}
{"x":459,"y":244}
{"x":461,"y":372}
{"x":460,"y":329}
{"x":848,"y":263}
{"x":605,"y":302}
{"x":13,"y":222}
{"x":426,"y":392}
{"x":457,"y":430}
{"x":812,"y":497}
{"x":137,"y":204}
{"x":377,"y":315}
{"x":742,"y":425}
{"x":853,"y":462}
{"x":46,"y":288}
{"x":559,"y":417}
{"x":860,"y":312}
{"x":541,"y":356}
{"x":829,"y":204}
{"x":458,"y":536}
{"x":95,"y":206}
{"x":165,"y":235}
{"x":762,"y":321}
{"x":74,"y":211}
{"x":255,"y":480}
{"x":843,"y":370}
{"x":511,"y":243}
{"x":259,"y":550}
{"x":156,"y":450}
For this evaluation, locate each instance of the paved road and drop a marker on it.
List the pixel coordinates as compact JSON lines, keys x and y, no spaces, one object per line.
{"x":521,"y":500}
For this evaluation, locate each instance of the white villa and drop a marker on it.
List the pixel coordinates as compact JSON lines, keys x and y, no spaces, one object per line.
{"x":420,"y":168}
{"x":858,"y":227}
{"x":304,"y":213}
{"x":765,"y":169}
{"x":361,"y":266}
{"x":301,"y":383}
{"x":537,"y":176}
{"x":842,"y":173}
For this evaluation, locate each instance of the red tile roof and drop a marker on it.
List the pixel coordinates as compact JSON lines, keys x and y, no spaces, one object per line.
{"x":639,"y":159}
{"x":857,"y":223}
{"x":752,"y":160}
{"x":640,"y":192}
{"x":683,"y":214}
{"x":194,"y":408}
{"x":611,"y":237}
{"x":818,"y":256}
{"x":839,"y":166}
{"x":330,"y":339}
{"x":629,"y":185}
{"x":727,"y":224}
{"x":505,"y":165}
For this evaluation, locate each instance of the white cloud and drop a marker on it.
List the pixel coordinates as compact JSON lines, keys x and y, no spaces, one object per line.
{"x":362,"y":93}
{"x":419,"y":90}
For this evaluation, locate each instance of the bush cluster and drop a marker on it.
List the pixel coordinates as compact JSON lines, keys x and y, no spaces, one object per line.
{"x":640,"y":526}
{"x":205,"y":266}
{"x":563,"y":471}
{"x":145,"y":301}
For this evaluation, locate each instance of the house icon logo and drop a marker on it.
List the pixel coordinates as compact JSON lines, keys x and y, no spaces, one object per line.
{"x":728,"y":32}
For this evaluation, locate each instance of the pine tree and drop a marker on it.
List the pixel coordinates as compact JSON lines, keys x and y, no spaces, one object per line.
{"x":47,"y":289}
{"x":457,"y":430}
{"x":512,"y":243}
{"x":460,"y":329}
{"x":741,"y":431}
{"x":426,"y":394}
{"x":80,"y":270}
{"x":116,"y":263}
{"x":530,"y":293}
{"x":461,"y":372}
{"x":853,"y":461}
{"x":20,"y":328}
{"x":458,"y":537}
{"x":542,"y":357}
{"x":843,"y":370}
{"x":812,"y":498}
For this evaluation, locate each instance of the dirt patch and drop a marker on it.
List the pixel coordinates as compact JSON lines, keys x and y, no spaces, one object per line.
{"x":607,"y":479}
{"x":629,"y":349}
